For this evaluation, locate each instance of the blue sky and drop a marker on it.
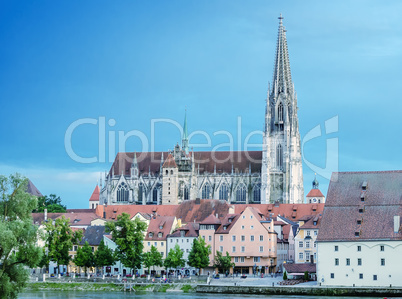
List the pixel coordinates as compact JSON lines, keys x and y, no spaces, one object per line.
{"x":130,"y":62}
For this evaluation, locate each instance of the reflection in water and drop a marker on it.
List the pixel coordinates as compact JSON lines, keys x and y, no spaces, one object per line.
{"x":150,"y":295}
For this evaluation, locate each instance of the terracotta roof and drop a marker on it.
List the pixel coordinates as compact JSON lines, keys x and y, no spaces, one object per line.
{"x":313,"y":222}
{"x":227,"y":222}
{"x":38,"y":218}
{"x":211,"y":219}
{"x":190,"y":229}
{"x":300,"y":268}
{"x":112,"y":211}
{"x":170,"y":162}
{"x":315,"y":193}
{"x":95,"y":194}
{"x":31,"y":189}
{"x":204,"y":161}
{"x":80,"y":219}
{"x":291,"y":211}
{"x":159,"y":224}
{"x":376,"y":209}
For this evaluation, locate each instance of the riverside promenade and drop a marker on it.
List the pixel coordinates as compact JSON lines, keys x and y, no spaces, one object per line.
{"x":271,"y":286}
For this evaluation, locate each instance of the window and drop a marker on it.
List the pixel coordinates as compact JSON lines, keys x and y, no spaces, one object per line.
{"x":280,"y":112}
{"x":336,"y":262}
{"x":256,"y":259}
{"x":171,"y":240}
{"x":206,"y":191}
{"x":75,"y":247}
{"x":332,"y":275}
{"x":202,"y":237}
{"x":161,"y":243}
{"x":236,"y":259}
{"x":243,"y":238}
{"x":156,"y":244}
{"x":233,"y":248}
{"x":261,"y":248}
{"x":221,"y":248}
{"x":360,"y":275}
{"x":160,"y":235}
{"x":374,"y":277}
{"x":336,"y":248}
{"x":93,"y":248}
{"x":257,"y":193}
{"x":382,"y":248}
{"x":149,"y":243}
{"x":221,"y":238}
{"x":244,"y":217}
{"x":300,"y":244}
{"x":242,"y":259}
{"x":359,"y":248}
{"x":122,"y":192}
{"x":224,"y":192}
{"x":209,"y":238}
{"x":300,"y":255}
{"x":347,"y":262}
{"x":315,"y":244}
{"x":241,"y":193}
{"x":186,"y":193}
{"x":251,"y":216}
{"x":382,"y":262}
{"x":261,"y":238}
{"x":188,"y":240}
{"x":315,"y":233}
{"x":308,"y":233}
{"x":252,"y":238}
{"x":251,"y":226}
{"x":359,"y":262}
{"x":279,"y":155}
{"x":162,"y":253}
{"x":243,"y":249}
{"x":307,"y":244}
{"x":242,"y":227}
{"x":177,"y":240}
{"x":234,"y":238}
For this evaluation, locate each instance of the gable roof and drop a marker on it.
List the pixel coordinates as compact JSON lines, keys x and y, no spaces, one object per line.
{"x":211,"y":219}
{"x":170,"y":162}
{"x":315,"y":193}
{"x":80,"y":219}
{"x":190,"y":230}
{"x":375,"y":206}
{"x":95,"y":194}
{"x":300,"y":268}
{"x":204,"y":161}
{"x":31,"y":189}
{"x":228,"y":222}
{"x":38,"y":218}
{"x":159,"y":224}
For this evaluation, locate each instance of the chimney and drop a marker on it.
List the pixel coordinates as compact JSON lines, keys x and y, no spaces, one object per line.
{"x":45,"y":215}
{"x":397,"y":223}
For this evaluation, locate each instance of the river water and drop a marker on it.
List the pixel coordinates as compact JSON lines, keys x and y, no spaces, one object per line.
{"x":150,"y":295}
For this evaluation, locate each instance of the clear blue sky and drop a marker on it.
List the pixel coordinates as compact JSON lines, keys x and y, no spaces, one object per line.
{"x":134,"y":61}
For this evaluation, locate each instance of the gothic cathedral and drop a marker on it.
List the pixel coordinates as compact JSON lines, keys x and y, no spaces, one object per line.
{"x":271,"y":175}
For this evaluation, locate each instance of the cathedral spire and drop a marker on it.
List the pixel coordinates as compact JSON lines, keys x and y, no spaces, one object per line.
{"x":184,"y":141}
{"x":282,"y":80}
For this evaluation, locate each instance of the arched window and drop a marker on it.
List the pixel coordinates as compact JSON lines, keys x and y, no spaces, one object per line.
{"x":241,"y":193}
{"x":206,"y":191}
{"x":122,"y":192}
{"x":224,"y":192}
{"x":155,"y":195}
{"x":280,"y":112}
{"x":167,"y":172}
{"x":186,"y":193}
{"x":279,"y":156}
{"x":140,"y":189}
{"x":257,"y":193}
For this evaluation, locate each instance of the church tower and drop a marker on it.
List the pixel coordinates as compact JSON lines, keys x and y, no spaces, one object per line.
{"x":281,"y":173}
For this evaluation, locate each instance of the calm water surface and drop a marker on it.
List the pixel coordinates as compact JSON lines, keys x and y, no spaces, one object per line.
{"x":116,"y":295}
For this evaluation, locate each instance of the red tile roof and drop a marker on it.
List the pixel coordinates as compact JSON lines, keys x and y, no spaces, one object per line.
{"x":190,"y":229}
{"x":170,"y":162}
{"x":159,"y":224}
{"x":204,"y":161}
{"x":344,"y":206}
{"x":300,"y":268}
{"x":80,"y":219}
{"x":95,"y":194}
{"x":227,"y":223}
{"x":315,"y":193}
{"x":211,"y":219}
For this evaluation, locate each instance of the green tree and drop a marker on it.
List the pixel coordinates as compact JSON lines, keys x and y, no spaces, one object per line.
{"x":18,"y":236}
{"x":84,"y":257}
{"x":285,"y":276}
{"x":223,"y":263}
{"x":104,"y":256}
{"x":60,"y":239}
{"x":306,"y":275}
{"x":153,"y":258}
{"x":174,"y":258}
{"x":52,"y":203}
{"x":199,"y":254}
{"x":129,"y":236}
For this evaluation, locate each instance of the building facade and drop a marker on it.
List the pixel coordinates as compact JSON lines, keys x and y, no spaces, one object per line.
{"x":273,"y":174}
{"x":360,"y":237}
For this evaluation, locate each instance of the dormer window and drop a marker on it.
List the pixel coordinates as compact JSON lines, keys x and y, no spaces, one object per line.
{"x":160,"y":226}
{"x":225,"y":227}
{"x":160,"y":235}
{"x":360,"y":210}
{"x":359,"y":222}
{"x":182,"y":233}
{"x":151,"y":235}
{"x":315,"y":222}
{"x":364,"y":185}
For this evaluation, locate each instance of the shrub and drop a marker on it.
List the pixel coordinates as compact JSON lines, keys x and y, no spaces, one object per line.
{"x":306,"y":275}
{"x":285,"y":276}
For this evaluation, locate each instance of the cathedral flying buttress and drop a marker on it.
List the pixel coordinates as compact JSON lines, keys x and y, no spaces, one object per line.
{"x":271,"y":175}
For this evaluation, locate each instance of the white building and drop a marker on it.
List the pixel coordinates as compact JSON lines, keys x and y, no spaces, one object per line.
{"x":273,"y":174}
{"x":360,"y":238}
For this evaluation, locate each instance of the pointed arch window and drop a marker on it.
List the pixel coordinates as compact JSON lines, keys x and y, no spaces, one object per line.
{"x":257,"y":193}
{"x":280,"y":112}
{"x":122,"y":192}
{"x":140,"y":190}
{"x":241,"y":193}
{"x":186,"y":193}
{"x":279,"y":156}
{"x":206,"y":191}
{"x":155,"y":195}
{"x":224,"y":192}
